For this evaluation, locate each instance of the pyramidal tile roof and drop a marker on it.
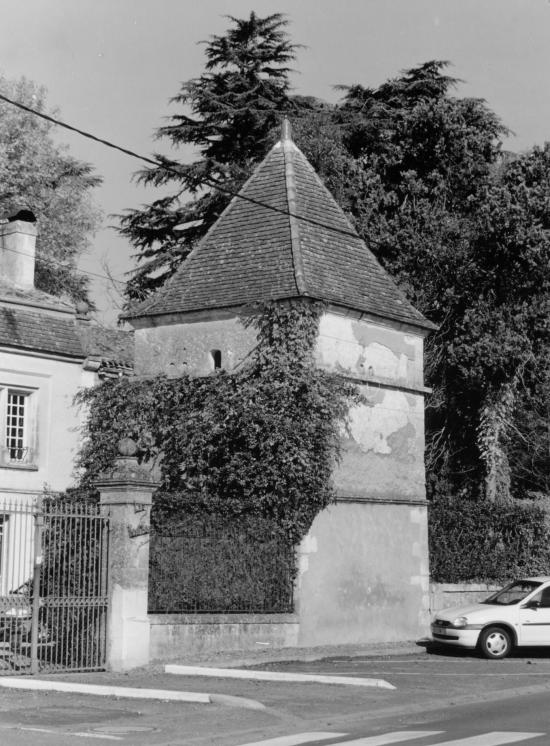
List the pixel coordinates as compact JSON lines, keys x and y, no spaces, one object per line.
{"x":303,"y":247}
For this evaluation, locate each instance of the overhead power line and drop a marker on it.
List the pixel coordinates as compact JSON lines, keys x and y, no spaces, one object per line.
{"x":59,"y":263}
{"x":176,"y":172}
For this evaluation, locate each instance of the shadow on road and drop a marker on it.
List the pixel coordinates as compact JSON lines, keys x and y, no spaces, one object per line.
{"x":433,"y":648}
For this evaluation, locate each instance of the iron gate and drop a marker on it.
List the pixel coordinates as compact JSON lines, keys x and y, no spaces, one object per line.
{"x":53,"y":586}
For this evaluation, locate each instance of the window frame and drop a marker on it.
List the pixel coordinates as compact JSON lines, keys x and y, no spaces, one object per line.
{"x":29,"y":440}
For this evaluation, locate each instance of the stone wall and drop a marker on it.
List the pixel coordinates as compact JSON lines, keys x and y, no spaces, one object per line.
{"x":177,"y":345}
{"x":180,"y":635}
{"x":363,"y":575}
{"x":447,"y":595}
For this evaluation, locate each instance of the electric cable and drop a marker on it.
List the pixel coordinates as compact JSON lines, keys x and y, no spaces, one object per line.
{"x":59,"y":263}
{"x":172,"y":170}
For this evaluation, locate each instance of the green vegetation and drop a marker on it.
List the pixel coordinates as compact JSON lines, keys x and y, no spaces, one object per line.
{"x":262,"y":440}
{"x":471,"y":541}
{"x":460,"y":225}
{"x":41,"y":176}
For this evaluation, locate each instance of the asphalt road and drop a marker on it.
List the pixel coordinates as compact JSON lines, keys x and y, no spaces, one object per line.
{"x":439,"y":699}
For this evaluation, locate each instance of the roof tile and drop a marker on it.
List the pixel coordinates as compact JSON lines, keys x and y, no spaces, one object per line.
{"x":39,"y":332}
{"x":253,"y":254}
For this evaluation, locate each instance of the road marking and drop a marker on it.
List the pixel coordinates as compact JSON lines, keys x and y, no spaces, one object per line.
{"x":496,"y":738}
{"x":69,"y":733}
{"x":236,"y":673}
{"x":10,"y":682}
{"x":296,"y":739}
{"x":398,"y":736}
{"x":97,"y":735}
{"x":434,"y":673}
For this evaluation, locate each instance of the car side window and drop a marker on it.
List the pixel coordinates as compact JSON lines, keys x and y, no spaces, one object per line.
{"x":541,"y":599}
{"x":536,"y":599}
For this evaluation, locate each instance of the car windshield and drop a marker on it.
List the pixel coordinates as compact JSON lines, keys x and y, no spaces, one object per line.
{"x":513,"y":593}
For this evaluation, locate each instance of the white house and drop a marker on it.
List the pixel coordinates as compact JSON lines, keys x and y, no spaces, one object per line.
{"x":48,"y":351}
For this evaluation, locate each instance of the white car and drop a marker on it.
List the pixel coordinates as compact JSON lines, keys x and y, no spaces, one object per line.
{"x":518,"y":615}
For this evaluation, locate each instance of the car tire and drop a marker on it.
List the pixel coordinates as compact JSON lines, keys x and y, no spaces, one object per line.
{"x":495,"y":642}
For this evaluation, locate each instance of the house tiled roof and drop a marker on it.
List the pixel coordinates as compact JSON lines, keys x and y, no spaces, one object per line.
{"x":37,"y":329}
{"x":113,"y":347}
{"x":32,"y":297}
{"x":39,"y":332}
{"x":253,"y":254}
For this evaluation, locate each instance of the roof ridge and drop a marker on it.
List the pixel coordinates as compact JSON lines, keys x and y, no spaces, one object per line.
{"x":287,"y":237}
{"x":289,"y":148}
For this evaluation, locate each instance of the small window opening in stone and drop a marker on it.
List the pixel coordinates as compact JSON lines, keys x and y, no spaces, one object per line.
{"x":216,"y":358}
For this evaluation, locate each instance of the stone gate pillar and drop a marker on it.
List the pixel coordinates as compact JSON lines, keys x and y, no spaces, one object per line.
{"x":125,"y":497}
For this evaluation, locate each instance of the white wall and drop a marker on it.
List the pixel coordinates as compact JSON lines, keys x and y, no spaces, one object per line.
{"x":57,"y":426}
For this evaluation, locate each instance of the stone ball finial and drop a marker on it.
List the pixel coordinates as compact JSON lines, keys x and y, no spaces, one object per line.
{"x":82,"y":308}
{"x":127,"y":447}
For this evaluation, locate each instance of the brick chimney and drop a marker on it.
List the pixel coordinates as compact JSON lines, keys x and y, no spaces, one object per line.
{"x":17,"y":249}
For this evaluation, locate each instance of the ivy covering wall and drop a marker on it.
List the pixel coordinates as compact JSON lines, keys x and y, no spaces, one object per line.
{"x":263,"y":439}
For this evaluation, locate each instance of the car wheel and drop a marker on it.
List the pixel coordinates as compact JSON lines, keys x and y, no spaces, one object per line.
{"x":495,"y":642}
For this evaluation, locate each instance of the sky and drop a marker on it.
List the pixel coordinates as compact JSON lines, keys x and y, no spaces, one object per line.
{"x":111,"y":66}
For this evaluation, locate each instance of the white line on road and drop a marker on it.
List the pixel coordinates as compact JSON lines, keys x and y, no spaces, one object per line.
{"x":398,"y":736}
{"x":11,"y":682}
{"x":496,"y":738}
{"x":296,"y":739}
{"x":236,"y":673}
{"x":97,"y":735}
{"x":433,"y":673}
{"x":68,"y":733}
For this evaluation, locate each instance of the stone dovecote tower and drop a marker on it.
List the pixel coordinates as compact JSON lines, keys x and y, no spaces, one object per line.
{"x":364,"y":564}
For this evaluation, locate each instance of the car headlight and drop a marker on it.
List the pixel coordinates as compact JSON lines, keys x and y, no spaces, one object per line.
{"x":460,"y":621}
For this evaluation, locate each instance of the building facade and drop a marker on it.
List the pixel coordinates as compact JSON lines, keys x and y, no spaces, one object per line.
{"x":49,"y":350}
{"x":363,"y":572}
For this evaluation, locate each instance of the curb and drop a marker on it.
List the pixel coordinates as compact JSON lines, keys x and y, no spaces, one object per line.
{"x":236,"y":673}
{"x":166,"y":695}
{"x":301,"y":655}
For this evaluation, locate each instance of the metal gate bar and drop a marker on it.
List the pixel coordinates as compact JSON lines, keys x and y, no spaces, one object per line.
{"x":53,"y":585}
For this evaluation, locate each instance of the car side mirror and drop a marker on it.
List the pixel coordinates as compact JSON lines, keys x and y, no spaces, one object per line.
{"x":532,"y":605}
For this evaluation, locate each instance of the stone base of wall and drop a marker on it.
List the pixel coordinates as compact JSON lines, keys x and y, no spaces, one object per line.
{"x":362,"y":578}
{"x":174,"y":636}
{"x":363,"y":575}
{"x":446,"y":595}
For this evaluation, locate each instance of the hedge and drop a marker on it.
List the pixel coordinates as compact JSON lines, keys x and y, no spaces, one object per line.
{"x":475,"y":541}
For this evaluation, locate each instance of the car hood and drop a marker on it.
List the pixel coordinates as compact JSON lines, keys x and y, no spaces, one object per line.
{"x":449,"y":615}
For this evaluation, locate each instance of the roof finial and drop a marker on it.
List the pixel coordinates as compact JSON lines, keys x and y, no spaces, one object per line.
{"x":286,"y":130}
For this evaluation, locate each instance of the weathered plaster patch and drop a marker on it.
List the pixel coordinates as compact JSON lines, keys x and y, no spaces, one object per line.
{"x":402,"y":442}
{"x":400,"y":344}
{"x":371,"y":427}
{"x":374,"y":394}
{"x":359,"y":590}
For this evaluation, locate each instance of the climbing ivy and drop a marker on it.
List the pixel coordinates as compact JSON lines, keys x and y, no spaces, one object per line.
{"x":263,"y":439}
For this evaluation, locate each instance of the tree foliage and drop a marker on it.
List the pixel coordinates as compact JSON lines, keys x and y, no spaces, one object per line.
{"x":462,"y":228}
{"x":41,"y":176}
{"x":263,"y":439}
{"x":460,"y":225}
{"x":228,"y":115}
